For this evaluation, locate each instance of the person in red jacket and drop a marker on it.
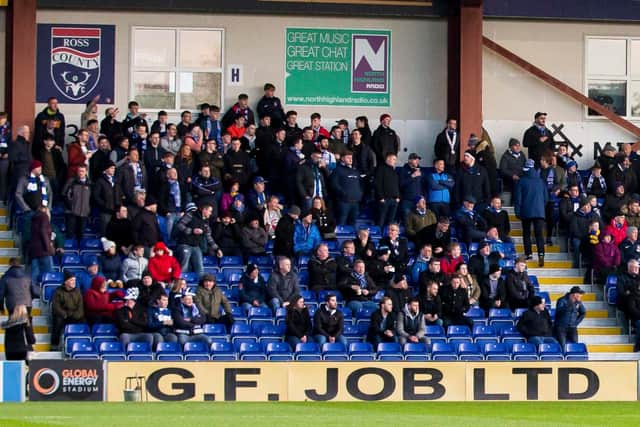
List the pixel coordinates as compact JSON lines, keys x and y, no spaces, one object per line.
{"x":606,"y":257}
{"x":617,"y":228}
{"x":99,"y":305}
{"x":163,"y":266}
{"x":453,"y":258}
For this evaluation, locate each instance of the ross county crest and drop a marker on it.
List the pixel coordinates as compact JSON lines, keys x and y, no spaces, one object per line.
{"x":75,"y":60}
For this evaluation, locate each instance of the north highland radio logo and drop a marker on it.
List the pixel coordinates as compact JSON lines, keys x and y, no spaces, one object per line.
{"x":75,"y":60}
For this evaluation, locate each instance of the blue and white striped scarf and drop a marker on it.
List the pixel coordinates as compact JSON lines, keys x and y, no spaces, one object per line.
{"x":33,"y":184}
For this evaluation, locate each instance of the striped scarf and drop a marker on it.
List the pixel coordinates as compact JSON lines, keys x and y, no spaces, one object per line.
{"x":33,"y":184}
{"x":174,"y":191}
{"x":137,"y":172}
{"x":189,"y":312}
{"x":362,"y":280}
{"x":592,"y":178}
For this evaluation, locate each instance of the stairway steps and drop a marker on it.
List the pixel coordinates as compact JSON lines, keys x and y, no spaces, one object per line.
{"x":614,"y":356}
{"x":604,"y":339}
{"x":597,"y":314}
{"x":599,"y":330}
{"x":550,"y":265}
{"x":598,"y":323}
{"x":569,"y":280}
{"x":547,"y":249}
{"x":36,"y":347}
{"x":563,"y":288}
{"x":610,"y":348}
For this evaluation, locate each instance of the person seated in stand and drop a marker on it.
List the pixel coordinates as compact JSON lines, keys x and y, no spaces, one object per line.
{"x":323,"y":219}
{"x":469,"y":283}
{"x":418,"y":218}
{"x":431,"y":304}
{"x":383,"y":324}
{"x":398,"y":246}
{"x":497,"y":217}
{"x":132,"y":322}
{"x":359,"y":289}
{"x":66,"y":307}
{"x":298,"y":323}
{"x":480,"y":262}
{"x":380,"y":269}
{"x":328,"y":322}
{"x":178,"y":288}
{"x":606,"y":258}
{"x":306,"y":235}
{"x":100,"y":305}
{"x":148,"y":289}
{"x":453,"y":258}
{"x":455,"y":303}
{"x":253,"y":288}
{"x":493,"y":290}
{"x":226,"y":234}
{"x":188,"y":320}
{"x":535,"y":323}
{"x":322,"y":270}
{"x":520,"y":290}
{"x":410,"y":325}
{"x":434,"y":273}
{"x":282,"y":285}
{"x":365,"y":247}
{"x":421,"y":263}
{"x":344,"y":261}
{"x":398,"y":291}
{"x":471,"y":225}
{"x":438,"y":235}
{"x":209,"y":298}
{"x":160,"y":320}
{"x":254,"y":237}
{"x":163,"y":266}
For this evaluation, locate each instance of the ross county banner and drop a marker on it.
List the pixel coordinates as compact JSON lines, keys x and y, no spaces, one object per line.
{"x":75,"y":62}
{"x":338,"y":67}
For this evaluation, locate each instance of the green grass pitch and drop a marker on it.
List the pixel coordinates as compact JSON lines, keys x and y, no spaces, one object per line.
{"x":175,"y":414}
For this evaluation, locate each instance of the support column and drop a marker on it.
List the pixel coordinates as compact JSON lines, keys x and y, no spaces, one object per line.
{"x":465,"y":68}
{"x":21,"y":62}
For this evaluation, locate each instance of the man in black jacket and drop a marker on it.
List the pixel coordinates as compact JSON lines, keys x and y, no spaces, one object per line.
{"x":387,"y":190}
{"x":237,"y":164}
{"x":480,"y":263}
{"x":310,"y":181}
{"x":438,"y":235}
{"x":146,"y":230}
{"x":471,"y":226}
{"x":520,"y":290}
{"x":270,"y":106}
{"x":328,"y":322}
{"x":385,"y":140}
{"x":497,"y":217}
{"x":100,"y":159}
{"x":106,"y":195}
{"x":627,"y":281}
{"x":346,"y":184}
{"x":455,"y":303}
{"x":472,"y":180}
{"x":447,"y":146}
{"x":193,"y":233}
{"x":283,"y":243}
{"x":345,"y":261}
{"x":322,"y":270}
{"x":383,"y":324}
{"x":493,"y":291}
{"x":432,"y":274}
{"x":131,"y":176}
{"x":132,"y":321}
{"x":538,"y":138}
{"x":51,"y":113}
{"x":535,"y":323}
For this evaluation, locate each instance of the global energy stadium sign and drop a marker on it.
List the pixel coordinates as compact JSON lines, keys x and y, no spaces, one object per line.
{"x":338,"y":67}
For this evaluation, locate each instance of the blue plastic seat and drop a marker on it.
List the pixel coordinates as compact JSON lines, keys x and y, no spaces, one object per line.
{"x":261,"y":260}
{"x":338,"y":294}
{"x":278,"y":351}
{"x":374,"y":230}
{"x":416,"y":352}
{"x":90,"y":245}
{"x":71,"y":247}
{"x":281,"y":315}
{"x":469,"y":351}
{"x":550,"y":351}
{"x":345,"y":230}
{"x":390,"y":351}
{"x":303,"y":277}
{"x":534,"y":281}
{"x":231,"y":261}
{"x":500,"y":317}
{"x":435,"y":333}
{"x":576,"y":351}
{"x":84,"y":350}
{"x":334,"y":351}
{"x":52,"y":277}
{"x":222,"y":351}
{"x":524,"y":351}
{"x":260,"y":312}
{"x":112,"y":350}
{"x":364,"y":314}
{"x":519,"y":312}
{"x":546,"y":297}
{"x":477,"y":315}
{"x":511,"y":335}
{"x":139,"y":351}
{"x":483,"y":332}
{"x":459,"y":332}
{"x":215,"y":330}
{"x":104,"y":330}
{"x":308,"y":351}
{"x":71,"y":261}
{"x":251,"y":351}
{"x":303,"y":260}
{"x":196,"y":350}
{"x":351,"y":333}
{"x":191,"y":277}
{"x":232,"y":295}
{"x":76,"y":330}
{"x":361,"y":351}
{"x":497,"y":351}
{"x":269,"y":333}
{"x":443,"y":351}
{"x":168,"y":351}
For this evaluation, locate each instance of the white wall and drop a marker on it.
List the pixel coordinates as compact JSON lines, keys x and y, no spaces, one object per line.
{"x":257,"y":42}
{"x":511,"y":95}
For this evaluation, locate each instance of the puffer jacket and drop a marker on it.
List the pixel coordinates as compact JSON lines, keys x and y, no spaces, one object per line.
{"x":163,"y":268}
{"x":67,"y":304}
{"x":77,"y":195}
{"x":133,"y":267}
{"x":98,"y":303}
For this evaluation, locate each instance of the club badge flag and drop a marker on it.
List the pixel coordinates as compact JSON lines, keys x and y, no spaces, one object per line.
{"x":75,"y":62}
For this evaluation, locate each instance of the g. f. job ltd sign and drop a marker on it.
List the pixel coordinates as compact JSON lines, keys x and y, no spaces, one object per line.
{"x":489,"y":381}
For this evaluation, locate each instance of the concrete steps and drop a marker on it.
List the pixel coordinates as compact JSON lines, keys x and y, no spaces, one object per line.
{"x":613,"y":356}
{"x":612,"y":348}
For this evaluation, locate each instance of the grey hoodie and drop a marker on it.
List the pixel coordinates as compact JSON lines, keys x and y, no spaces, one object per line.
{"x":133,"y":267}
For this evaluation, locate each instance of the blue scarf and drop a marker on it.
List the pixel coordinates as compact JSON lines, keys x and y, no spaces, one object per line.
{"x":189,"y":312}
{"x":361,"y":278}
{"x":603,"y":184}
{"x":469,"y":212}
{"x":542,"y":129}
{"x":91,"y":145}
{"x":551,"y":177}
{"x":174,"y":191}
{"x":261,"y":198}
{"x":137,"y":172}
{"x":34,"y":183}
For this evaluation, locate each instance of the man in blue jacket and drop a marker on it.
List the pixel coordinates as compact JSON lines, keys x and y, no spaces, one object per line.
{"x":569,"y":313}
{"x":529,"y":199}
{"x":439,"y":186}
{"x":306,"y":235}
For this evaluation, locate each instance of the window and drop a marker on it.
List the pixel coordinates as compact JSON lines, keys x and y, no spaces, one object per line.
{"x":176,"y":68}
{"x":613,"y":74}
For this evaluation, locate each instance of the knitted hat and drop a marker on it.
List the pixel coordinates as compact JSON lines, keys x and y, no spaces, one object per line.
{"x":35,"y":164}
{"x":513,"y":142}
{"x":470,"y":153}
{"x":535,"y":300}
{"x":107,"y":244}
{"x":108,"y":165}
{"x":383,"y":250}
{"x":570,"y":164}
{"x":68,"y":274}
{"x":417,"y":199}
{"x":191,"y":207}
{"x":483,"y":245}
{"x":528,"y":165}
{"x":494,"y":268}
{"x":250,"y":268}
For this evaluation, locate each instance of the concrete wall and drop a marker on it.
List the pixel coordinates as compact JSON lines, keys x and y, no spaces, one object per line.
{"x":257,"y":42}
{"x":511,"y":96}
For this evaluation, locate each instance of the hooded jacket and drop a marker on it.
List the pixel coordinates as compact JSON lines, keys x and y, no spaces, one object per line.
{"x":98,"y":303}
{"x":67,"y":304}
{"x":530,"y":196}
{"x":619,"y":233}
{"x":322,"y":274}
{"x":605,"y":256}
{"x":409,"y":324}
{"x":253,"y":290}
{"x":163,"y":268}
{"x":298,"y":322}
